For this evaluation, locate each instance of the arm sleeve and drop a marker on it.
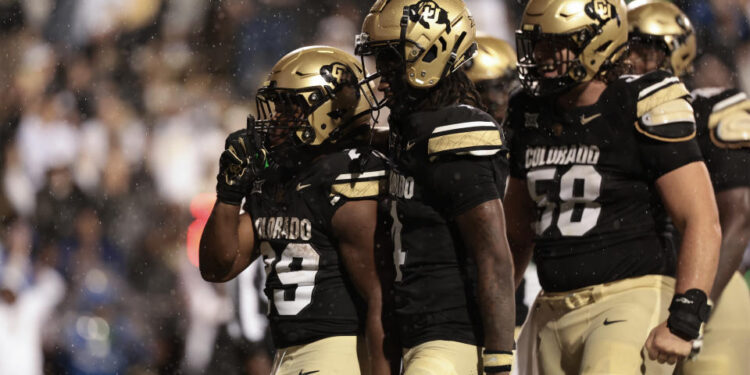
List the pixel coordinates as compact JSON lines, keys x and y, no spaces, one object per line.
{"x":464,"y":182}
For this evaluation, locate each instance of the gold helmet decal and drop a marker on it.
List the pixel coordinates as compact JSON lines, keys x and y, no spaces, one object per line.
{"x":663,"y":25}
{"x":314,"y":94}
{"x":432,"y":38}
{"x":576,"y":39}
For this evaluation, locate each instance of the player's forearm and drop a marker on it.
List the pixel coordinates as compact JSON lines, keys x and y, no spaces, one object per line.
{"x":734,"y":241}
{"x":699,"y":254}
{"x":219,"y":245}
{"x":734,"y":213}
{"x":483,"y":231}
{"x":380,"y":363}
{"x":497,"y":304}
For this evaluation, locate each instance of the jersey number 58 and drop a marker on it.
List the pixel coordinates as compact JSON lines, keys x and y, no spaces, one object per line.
{"x":574,"y":211}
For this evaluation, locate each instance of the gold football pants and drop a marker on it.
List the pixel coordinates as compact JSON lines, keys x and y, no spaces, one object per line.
{"x":440,"y":357}
{"x":597,"y":330}
{"x":726,"y":337}
{"x":330,"y":356}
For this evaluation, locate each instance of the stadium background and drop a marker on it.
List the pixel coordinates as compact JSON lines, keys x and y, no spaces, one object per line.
{"x":112,"y":116}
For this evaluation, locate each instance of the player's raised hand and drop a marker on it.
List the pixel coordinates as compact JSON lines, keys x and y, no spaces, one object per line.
{"x":238,"y":167}
{"x":665,"y":347}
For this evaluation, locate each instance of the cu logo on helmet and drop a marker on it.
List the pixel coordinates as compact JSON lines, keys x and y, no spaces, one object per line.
{"x":602,"y":11}
{"x":336,"y":73}
{"x":426,"y":11}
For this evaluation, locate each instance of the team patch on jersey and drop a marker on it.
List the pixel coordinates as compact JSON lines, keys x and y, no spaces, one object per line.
{"x":359,"y":185}
{"x":478,"y":138}
{"x":664,"y":112}
{"x":729,"y":122}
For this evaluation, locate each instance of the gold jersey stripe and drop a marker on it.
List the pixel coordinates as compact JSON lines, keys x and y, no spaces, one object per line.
{"x":361,"y":189}
{"x":662,"y":96}
{"x":460,"y":141}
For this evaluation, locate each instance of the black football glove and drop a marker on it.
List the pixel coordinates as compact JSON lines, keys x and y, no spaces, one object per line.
{"x":239,"y":166}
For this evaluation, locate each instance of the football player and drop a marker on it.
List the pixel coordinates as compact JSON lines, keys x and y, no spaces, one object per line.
{"x":310,"y":186}
{"x":590,"y":153}
{"x":662,"y":37}
{"x":454,"y":283}
{"x":493,"y":71}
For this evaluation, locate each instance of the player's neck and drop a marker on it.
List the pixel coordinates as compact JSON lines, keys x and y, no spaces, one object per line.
{"x":585,"y":94}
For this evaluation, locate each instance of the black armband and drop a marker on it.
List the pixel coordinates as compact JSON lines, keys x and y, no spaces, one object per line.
{"x":687,"y":313}
{"x":497,"y":361}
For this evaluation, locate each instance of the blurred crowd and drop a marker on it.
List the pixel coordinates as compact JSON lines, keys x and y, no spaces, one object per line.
{"x":112,"y":116}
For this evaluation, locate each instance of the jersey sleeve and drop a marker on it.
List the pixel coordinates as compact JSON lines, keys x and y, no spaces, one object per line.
{"x":475,"y":134}
{"x":664,"y":124}
{"x":464,"y":182}
{"x":357,"y":174}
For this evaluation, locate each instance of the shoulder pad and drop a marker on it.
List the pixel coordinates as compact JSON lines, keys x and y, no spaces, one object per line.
{"x":361,"y":174}
{"x":663,"y":108}
{"x":474,"y":133}
{"x":729,"y":121}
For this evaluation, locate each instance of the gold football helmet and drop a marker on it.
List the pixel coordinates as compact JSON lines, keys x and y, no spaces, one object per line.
{"x":665,"y":26}
{"x":493,"y":71}
{"x":580,"y":38}
{"x":432,"y":38}
{"x":495,"y":59}
{"x":313,"y":95}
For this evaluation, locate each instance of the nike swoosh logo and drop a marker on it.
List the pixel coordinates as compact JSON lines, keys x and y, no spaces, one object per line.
{"x":608,"y":322}
{"x":300,"y":186}
{"x":410,"y":144}
{"x":308,"y":373}
{"x":585,"y":120}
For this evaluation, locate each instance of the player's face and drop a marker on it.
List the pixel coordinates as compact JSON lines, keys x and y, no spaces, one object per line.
{"x":288,"y":115}
{"x":645,"y":57}
{"x":552,"y":58}
{"x":494,"y":95}
{"x":392,"y":75}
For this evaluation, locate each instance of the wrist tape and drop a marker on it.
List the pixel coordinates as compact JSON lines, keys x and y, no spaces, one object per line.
{"x":497,"y":361}
{"x":687,"y":313}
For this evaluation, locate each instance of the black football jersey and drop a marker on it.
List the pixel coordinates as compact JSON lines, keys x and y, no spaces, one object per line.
{"x":591,"y":171}
{"x":445,"y":162}
{"x":307,"y":286}
{"x":723,"y":120}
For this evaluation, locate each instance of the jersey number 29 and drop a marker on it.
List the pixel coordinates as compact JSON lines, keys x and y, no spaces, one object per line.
{"x":296,"y":269}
